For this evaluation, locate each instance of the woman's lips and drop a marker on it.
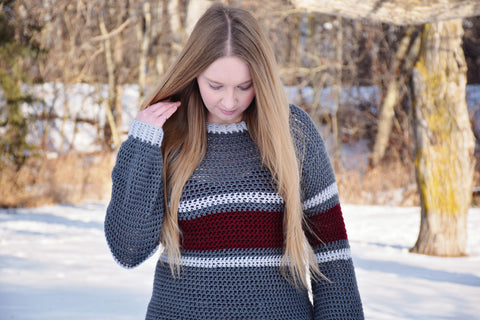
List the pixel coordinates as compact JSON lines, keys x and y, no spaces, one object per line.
{"x":227,"y":112}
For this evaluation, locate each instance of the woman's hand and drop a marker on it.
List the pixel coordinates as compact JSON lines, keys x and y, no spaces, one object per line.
{"x":158,"y":113}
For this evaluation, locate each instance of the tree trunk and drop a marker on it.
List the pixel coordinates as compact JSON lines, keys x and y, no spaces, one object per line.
{"x":336,"y":91}
{"x":194,"y":11}
{"x":111,"y":136}
{"x":143,"y":28}
{"x":120,"y":77}
{"x":405,"y":54}
{"x":445,"y":143}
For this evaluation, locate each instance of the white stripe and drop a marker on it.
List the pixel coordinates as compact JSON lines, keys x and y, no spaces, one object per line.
{"x":321,"y":197}
{"x":230,"y":198}
{"x":229,"y":262}
{"x":341,"y":254}
{"x":254,"y":261}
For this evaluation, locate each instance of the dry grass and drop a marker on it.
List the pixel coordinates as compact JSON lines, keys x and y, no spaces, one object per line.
{"x":387,"y":184}
{"x":75,"y":178}
{"x":391,"y":183}
{"x":72,"y":178}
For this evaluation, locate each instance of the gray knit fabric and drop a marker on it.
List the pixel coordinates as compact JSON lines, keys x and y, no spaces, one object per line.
{"x":231,"y":218}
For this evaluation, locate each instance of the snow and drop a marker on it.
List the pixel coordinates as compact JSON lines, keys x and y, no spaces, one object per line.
{"x":55,"y":264}
{"x":347,"y":96}
{"x":85,"y":101}
{"x":68,"y":103}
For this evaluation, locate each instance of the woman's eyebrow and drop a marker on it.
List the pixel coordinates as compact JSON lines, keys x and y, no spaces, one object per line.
{"x":246,"y":82}
{"x":216,"y":82}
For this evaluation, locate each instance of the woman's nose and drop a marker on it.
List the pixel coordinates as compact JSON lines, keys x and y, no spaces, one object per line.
{"x":229,"y":100}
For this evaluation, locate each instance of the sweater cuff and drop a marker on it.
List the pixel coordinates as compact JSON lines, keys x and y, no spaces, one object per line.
{"x":146,"y":132}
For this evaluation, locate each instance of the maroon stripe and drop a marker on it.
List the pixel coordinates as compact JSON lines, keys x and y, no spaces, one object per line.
{"x":233,"y":230}
{"x":327,"y":226}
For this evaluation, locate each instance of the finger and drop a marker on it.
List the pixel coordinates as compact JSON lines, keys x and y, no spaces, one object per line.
{"x":158,"y":113}
{"x":165,"y":110}
{"x":171,"y":110}
{"x":161,"y":106}
{"x":162,"y":118}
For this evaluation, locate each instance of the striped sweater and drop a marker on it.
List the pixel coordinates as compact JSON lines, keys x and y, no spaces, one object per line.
{"x":230,"y":217}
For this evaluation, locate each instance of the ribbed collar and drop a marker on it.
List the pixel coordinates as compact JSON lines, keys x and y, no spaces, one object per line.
{"x":226,"y":128}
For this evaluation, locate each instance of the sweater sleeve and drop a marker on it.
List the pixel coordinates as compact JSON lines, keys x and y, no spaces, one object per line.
{"x":135,"y":213}
{"x":339,"y":297}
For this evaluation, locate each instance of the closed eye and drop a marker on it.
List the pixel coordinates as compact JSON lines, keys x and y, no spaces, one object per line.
{"x":215,"y":87}
{"x":245,"y":88}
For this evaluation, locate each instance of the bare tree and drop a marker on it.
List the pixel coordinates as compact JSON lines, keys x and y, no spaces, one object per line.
{"x":444,"y":161}
{"x":406,"y":54}
{"x":143,"y":28}
{"x":113,"y":49}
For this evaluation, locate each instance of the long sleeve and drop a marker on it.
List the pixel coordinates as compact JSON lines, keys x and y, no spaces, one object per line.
{"x":135,"y":213}
{"x":338,"y":298}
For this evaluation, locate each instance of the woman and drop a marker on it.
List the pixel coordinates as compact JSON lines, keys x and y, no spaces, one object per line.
{"x":235,"y":184}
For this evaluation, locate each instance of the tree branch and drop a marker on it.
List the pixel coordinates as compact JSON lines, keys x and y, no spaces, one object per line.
{"x":113,"y":32}
{"x":398,"y":12}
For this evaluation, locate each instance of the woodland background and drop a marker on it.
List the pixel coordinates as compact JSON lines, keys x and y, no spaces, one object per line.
{"x":326,"y":62}
{"x":72,"y":73}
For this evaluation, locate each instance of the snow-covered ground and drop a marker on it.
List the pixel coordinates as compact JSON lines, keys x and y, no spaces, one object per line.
{"x":55,"y":264}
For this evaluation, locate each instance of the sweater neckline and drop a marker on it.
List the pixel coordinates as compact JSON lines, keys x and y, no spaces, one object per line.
{"x":226,"y":128}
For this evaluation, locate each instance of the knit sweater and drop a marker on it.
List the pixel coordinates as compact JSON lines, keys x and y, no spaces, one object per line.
{"x":230,"y":216}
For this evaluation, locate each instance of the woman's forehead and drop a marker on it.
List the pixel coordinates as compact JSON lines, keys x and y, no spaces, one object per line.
{"x":228,"y":70}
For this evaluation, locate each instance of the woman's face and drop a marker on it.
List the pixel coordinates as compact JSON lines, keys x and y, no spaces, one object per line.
{"x":227,"y":90}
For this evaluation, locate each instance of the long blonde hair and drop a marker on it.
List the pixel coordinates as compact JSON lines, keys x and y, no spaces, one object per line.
{"x":221,"y":32}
